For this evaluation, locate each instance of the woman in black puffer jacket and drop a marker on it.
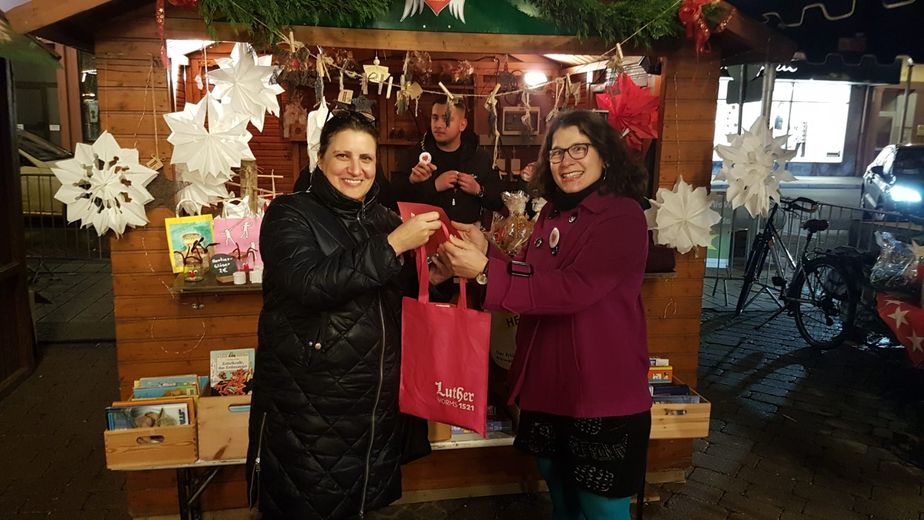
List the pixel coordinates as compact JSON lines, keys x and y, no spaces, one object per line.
{"x":326,"y":436}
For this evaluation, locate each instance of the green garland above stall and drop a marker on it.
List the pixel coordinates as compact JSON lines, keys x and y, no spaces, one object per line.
{"x":645,"y":21}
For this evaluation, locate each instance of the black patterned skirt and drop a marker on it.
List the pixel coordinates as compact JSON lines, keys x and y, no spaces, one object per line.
{"x":603,"y":455}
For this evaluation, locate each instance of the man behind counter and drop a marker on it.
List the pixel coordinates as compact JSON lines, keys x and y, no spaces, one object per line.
{"x":448,"y":169}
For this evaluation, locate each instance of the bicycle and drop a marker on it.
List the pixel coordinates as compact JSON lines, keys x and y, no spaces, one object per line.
{"x":820,"y":295}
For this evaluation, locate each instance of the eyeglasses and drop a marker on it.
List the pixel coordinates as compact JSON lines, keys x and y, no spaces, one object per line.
{"x":576,"y":151}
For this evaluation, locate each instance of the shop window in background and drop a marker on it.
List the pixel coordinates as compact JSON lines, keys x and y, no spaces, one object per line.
{"x":89,"y":102}
{"x":812,"y":113}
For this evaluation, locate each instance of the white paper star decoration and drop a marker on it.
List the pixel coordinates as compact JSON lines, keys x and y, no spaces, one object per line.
{"x":244,"y":81}
{"x":316,"y":120}
{"x":213,"y":149}
{"x":198,"y":191}
{"x":104,"y":186}
{"x":681,"y":218}
{"x":754,"y":165}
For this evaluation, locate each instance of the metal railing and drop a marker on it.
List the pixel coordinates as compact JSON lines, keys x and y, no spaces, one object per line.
{"x":47,"y":233}
{"x":847,"y":226}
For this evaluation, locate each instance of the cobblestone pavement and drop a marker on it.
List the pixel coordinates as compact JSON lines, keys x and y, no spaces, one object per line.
{"x":796,"y":433}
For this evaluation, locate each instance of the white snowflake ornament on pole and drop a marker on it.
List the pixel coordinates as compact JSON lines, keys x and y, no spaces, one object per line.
{"x":244,"y":81}
{"x":211,"y":149}
{"x":104,"y":186}
{"x":681,"y":218}
{"x":754,"y":165}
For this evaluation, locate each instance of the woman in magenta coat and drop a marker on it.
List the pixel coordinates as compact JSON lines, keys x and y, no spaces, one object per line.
{"x":581,"y":365}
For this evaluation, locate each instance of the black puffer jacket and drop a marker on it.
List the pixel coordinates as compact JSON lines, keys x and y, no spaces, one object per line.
{"x":326,"y":437}
{"x":457,"y":204}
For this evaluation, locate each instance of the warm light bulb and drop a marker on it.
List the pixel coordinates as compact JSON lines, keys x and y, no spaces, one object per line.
{"x":535,"y":78}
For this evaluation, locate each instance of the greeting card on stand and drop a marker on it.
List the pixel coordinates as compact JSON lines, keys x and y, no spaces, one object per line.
{"x":185,"y":234}
{"x":240,"y":238}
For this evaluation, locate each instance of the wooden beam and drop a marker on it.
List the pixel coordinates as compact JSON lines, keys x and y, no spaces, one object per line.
{"x":746,"y":40}
{"x":36,"y":14}
{"x":190,"y":29}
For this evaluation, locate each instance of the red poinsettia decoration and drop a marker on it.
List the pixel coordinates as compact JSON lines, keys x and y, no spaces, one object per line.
{"x":633,"y":112}
{"x":692,"y":17}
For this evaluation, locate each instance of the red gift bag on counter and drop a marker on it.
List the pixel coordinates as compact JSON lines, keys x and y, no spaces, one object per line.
{"x":444,"y":357}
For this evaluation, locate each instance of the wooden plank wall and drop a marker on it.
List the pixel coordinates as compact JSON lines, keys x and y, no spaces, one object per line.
{"x":673,"y":306}
{"x":160,"y":334}
{"x":157,"y":333}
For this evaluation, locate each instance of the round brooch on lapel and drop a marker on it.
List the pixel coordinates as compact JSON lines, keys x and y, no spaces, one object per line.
{"x":554,"y":236}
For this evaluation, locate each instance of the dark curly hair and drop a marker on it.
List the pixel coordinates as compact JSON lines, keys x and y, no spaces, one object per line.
{"x":624,"y":175}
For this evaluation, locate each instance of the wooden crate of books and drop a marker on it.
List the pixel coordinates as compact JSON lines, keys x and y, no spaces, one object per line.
{"x":223,"y":424}
{"x":681,"y":420}
{"x":155,"y":432}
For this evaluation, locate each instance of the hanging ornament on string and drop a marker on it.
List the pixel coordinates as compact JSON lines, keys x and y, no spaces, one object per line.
{"x":526,"y":119}
{"x":211,"y":148}
{"x":294,"y":67}
{"x":490,"y":104}
{"x":461,"y":71}
{"x":414,"y":91}
{"x":573,"y":90}
{"x":508,"y":80}
{"x":376,"y":73}
{"x":104,"y":186}
{"x":244,"y":81}
{"x":681,"y":218}
{"x":316,"y":120}
{"x":559,"y":88}
{"x":754,"y":164}
{"x":450,"y":102}
{"x":693,"y":18}
{"x":632,"y":111}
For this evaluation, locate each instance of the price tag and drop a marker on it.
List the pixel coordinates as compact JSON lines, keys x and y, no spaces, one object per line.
{"x":154,"y":163}
{"x":224,"y":266}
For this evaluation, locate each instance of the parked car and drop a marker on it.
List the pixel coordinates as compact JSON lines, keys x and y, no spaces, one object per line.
{"x":39,"y":184}
{"x":894,"y":181}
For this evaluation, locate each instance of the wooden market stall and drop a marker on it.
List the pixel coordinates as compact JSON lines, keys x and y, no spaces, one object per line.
{"x":160,"y":332}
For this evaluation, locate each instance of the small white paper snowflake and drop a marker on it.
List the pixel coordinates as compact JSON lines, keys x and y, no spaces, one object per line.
{"x":211,"y":149}
{"x":681,"y":218}
{"x":198,"y":191}
{"x":754,"y":165}
{"x":244,"y":81}
{"x":104,"y":186}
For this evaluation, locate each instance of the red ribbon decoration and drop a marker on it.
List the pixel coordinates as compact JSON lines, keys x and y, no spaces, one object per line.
{"x":692,"y":17}
{"x":632,"y":111}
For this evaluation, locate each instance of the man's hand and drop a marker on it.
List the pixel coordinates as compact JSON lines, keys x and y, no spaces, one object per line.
{"x":468,"y":184}
{"x":421,"y":172}
{"x":447,"y":180}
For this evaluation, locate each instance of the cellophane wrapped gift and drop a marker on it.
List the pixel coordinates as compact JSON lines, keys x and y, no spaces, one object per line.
{"x":897,"y":268}
{"x":512,"y":232}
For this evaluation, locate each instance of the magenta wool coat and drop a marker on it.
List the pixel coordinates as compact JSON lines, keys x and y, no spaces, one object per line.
{"x":581,"y":343}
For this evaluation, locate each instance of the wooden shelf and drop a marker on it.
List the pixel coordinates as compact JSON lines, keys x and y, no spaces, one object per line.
{"x":473,"y":440}
{"x":661,"y":275}
{"x":209,"y":285}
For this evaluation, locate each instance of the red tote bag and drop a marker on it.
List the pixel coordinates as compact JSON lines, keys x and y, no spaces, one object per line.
{"x":444,"y":358}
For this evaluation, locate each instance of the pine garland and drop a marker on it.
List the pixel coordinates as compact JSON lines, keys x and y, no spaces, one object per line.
{"x":614,"y":21}
{"x":645,"y":21}
{"x":266,"y":19}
